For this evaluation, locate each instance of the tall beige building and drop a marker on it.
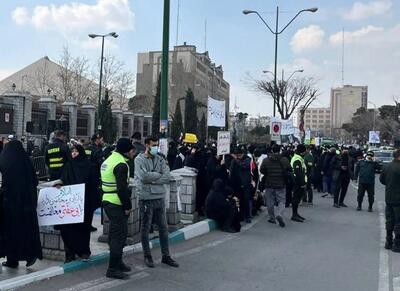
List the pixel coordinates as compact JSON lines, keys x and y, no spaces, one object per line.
{"x":188,"y":69}
{"x":318,"y":120}
{"x":344,"y":103}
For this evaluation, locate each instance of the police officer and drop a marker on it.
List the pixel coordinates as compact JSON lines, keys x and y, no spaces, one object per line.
{"x":300,"y":176}
{"x":56,"y":155}
{"x":117,"y":204}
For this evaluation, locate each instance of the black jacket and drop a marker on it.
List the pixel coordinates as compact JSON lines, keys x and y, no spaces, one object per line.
{"x":56,"y":150}
{"x":274,"y":169}
{"x":124,"y":194}
{"x":240,"y":173}
{"x":390,"y":177}
{"x":365,"y":171}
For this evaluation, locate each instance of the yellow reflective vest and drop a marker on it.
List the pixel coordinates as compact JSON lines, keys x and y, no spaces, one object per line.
{"x":108,"y":181}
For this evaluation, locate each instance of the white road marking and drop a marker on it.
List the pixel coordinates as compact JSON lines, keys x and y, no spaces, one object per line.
{"x":396,"y":284}
{"x":384,"y":284}
{"x":103,"y":283}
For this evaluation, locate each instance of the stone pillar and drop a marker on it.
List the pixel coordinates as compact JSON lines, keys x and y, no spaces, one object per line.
{"x":141,"y":123}
{"x":133,"y":221}
{"x":117,"y":113}
{"x":173,"y":215}
{"x":91,"y":111}
{"x":149,"y":120}
{"x":49,"y":104}
{"x":130,"y":117}
{"x":187,"y":192}
{"x":72,"y":108}
{"x":22,"y":106}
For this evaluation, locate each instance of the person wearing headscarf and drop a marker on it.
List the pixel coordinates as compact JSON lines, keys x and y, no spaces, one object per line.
{"x":76,"y":237}
{"x":19,"y":229}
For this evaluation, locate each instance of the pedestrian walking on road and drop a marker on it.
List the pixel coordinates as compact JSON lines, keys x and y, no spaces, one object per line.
{"x":275,"y":169}
{"x":365,"y":173}
{"x":300,"y":175}
{"x":117,"y":204}
{"x":309,"y":159}
{"x":76,"y":237}
{"x":152,"y":175}
{"x":342,"y":177}
{"x":19,"y":230}
{"x":390,"y":177}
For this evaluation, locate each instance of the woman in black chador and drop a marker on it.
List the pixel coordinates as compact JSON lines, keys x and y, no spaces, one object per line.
{"x":19,"y":230}
{"x":76,"y":237}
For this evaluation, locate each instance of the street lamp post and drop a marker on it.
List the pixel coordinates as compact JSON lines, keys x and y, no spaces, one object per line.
{"x":112,"y":34}
{"x":277,"y":33}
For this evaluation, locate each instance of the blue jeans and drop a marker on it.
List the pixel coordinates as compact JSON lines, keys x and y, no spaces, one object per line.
{"x":327,"y":184}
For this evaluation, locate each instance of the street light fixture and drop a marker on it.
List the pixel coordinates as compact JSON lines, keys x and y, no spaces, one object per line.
{"x":277,"y":33}
{"x":114,"y":35}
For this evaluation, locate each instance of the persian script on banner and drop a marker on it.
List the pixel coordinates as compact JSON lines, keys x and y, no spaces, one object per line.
{"x":61,"y":206}
{"x":223,"y":143}
{"x":216,"y":113}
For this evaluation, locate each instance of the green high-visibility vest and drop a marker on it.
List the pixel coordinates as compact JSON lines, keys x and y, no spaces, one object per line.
{"x":299,"y":158}
{"x":108,"y":181}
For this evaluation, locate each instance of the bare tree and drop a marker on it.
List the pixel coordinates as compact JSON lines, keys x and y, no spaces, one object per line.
{"x":289,"y":95}
{"x":123,"y":89}
{"x":65,"y":74}
{"x":41,"y":82}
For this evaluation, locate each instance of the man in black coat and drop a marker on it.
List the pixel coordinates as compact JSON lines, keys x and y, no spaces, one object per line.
{"x":56,"y":155}
{"x":342,"y":175}
{"x":390,"y":177}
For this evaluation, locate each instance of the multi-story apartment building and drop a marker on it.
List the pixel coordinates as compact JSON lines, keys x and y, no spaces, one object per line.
{"x":187,"y":69}
{"x":344,"y":103}
{"x":318,"y":120}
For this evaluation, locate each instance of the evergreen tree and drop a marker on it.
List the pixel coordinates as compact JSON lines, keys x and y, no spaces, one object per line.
{"x":108,"y":127}
{"x":191,"y":119}
{"x":203,"y":128}
{"x":177,"y":125}
{"x":156,"y":109}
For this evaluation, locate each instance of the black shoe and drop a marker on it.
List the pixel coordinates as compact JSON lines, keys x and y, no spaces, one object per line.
{"x":388,"y":245}
{"x":248,"y":220}
{"x":324,"y":195}
{"x":272,"y":220}
{"x":396,"y":248}
{"x":93,"y":229}
{"x":85,"y":258}
{"x":229,"y":230}
{"x":10,"y":264}
{"x":358,"y":208}
{"x":31,"y":262}
{"x":170,"y":262}
{"x":336,"y":205}
{"x":116,"y":274}
{"x":369,"y":209}
{"x":342,"y":205}
{"x":124,"y":268}
{"x":301,"y":217}
{"x":297,"y":218}
{"x":280,"y":221}
{"x":149,"y":262}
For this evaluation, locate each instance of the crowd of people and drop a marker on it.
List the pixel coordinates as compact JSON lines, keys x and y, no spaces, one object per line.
{"x":230,"y":189}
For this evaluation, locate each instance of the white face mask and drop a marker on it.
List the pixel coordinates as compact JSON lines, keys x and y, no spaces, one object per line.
{"x":153,"y":150}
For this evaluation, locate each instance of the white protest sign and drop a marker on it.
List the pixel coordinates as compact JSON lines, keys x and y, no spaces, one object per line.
{"x":61,"y":206}
{"x":163,"y":147}
{"x":223,"y":143}
{"x":216,"y":112}
{"x":276,"y":131}
{"x":374,"y":137}
{"x":287,"y":127}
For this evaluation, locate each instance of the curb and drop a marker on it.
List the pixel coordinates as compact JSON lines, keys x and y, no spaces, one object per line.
{"x":186,"y":233}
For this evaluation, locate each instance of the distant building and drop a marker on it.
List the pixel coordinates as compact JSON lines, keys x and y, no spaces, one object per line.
{"x":252,"y":122}
{"x":344,"y":103}
{"x":188,"y":69}
{"x":318,"y":120}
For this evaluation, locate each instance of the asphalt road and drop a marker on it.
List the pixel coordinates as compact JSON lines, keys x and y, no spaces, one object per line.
{"x":335,"y":249}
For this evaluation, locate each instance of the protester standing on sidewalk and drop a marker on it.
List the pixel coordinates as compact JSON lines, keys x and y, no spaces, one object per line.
{"x":19,"y":230}
{"x":275,"y":169}
{"x":76,"y":237}
{"x":390,"y":177}
{"x":300,"y":175}
{"x":117,"y":204}
{"x":151,"y":177}
{"x":365,"y":173}
{"x":56,"y":155}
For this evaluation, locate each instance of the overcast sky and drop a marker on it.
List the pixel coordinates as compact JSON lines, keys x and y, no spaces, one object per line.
{"x":35,"y":28}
